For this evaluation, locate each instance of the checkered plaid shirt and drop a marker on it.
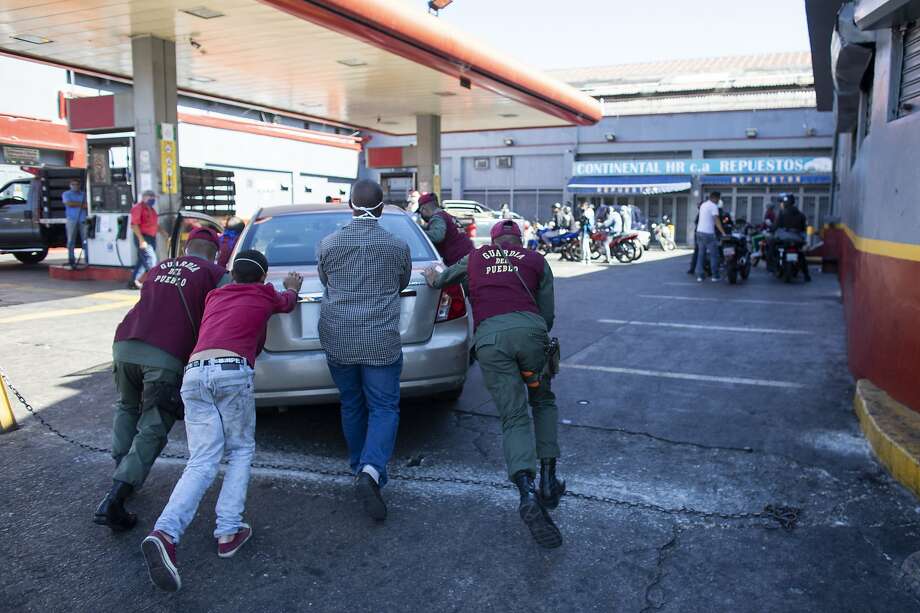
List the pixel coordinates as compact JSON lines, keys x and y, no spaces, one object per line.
{"x":364,"y":268}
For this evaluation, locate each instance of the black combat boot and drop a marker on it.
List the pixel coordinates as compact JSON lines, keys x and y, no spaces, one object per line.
{"x":551,"y":489}
{"x":541,"y":525}
{"x":111,"y":511}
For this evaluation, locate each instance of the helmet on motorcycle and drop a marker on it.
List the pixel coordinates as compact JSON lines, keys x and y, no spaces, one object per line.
{"x":787,"y":199}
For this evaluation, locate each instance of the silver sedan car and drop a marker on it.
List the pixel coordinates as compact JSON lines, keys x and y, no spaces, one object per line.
{"x":434,"y":324}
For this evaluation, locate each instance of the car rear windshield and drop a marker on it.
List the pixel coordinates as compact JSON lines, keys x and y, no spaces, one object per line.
{"x":291,"y":240}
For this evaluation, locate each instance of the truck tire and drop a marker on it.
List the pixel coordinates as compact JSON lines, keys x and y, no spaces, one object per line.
{"x":31,"y":257}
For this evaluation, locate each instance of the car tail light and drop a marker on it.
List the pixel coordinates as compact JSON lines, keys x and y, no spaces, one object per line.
{"x":471,"y":230}
{"x":452,"y":305}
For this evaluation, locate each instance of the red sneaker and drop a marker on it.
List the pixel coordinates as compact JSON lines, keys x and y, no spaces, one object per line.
{"x":160,"y":556}
{"x":228,"y":549}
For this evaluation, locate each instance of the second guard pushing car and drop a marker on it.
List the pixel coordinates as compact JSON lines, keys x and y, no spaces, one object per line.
{"x":152,"y":345}
{"x":451,"y":242}
{"x":511,"y":293}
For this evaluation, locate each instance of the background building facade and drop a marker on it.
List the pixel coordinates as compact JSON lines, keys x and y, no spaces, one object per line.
{"x":746,"y":126}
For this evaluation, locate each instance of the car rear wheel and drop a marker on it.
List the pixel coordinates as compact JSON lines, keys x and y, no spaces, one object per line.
{"x":31,"y":257}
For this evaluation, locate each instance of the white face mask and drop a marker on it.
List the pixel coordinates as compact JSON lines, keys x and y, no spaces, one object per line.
{"x":366,"y":212}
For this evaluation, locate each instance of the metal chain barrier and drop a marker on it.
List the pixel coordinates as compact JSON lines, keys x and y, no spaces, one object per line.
{"x":787,"y":517}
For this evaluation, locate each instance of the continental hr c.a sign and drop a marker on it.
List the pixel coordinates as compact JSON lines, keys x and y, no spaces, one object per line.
{"x":711,"y":166}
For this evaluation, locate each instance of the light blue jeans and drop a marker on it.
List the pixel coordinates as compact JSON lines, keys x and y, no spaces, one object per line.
{"x":707,"y":242}
{"x":220,"y":416}
{"x":74,"y":229}
{"x":146,"y":258}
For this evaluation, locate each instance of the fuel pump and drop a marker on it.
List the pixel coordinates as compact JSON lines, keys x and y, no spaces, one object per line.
{"x":110,"y":196}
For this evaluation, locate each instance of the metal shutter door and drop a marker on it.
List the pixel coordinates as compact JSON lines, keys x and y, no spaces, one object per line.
{"x":909,"y":99}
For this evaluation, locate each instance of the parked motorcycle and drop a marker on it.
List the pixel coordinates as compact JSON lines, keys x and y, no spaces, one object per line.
{"x":626,"y":247}
{"x":736,"y":255}
{"x":788,"y":248}
{"x":564,"y":244}
{"x":661,"y":231}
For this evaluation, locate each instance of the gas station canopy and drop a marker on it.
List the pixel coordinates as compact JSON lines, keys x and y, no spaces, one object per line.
{"x":375,"y":64}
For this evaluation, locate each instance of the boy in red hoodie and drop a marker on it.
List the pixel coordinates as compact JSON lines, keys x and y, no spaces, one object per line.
{"x":220,"y":412}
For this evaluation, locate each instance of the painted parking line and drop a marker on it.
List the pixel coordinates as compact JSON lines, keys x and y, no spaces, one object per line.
{"x":667,"y":324}
{"x":54,"y":313}
{"x":686,"y":376}
{"x":734,"y":300}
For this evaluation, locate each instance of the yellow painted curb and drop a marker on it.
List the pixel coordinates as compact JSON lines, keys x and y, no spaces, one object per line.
{"x":893,"y":431}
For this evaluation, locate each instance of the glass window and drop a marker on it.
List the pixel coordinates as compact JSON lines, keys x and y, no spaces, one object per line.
{"x":16,"y":191}
{"x":291,"y":240}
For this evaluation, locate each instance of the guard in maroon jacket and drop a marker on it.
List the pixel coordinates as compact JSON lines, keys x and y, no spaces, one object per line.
{"x":152,"y":345}
{"x":442,"y":229}
{"x":511,"y":292}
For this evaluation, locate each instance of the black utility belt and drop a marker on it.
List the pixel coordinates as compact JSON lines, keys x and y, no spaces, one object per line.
{"x":226,"y":363}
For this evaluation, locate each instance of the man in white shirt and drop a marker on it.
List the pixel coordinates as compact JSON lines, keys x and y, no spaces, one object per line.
{"x":706,"y":238}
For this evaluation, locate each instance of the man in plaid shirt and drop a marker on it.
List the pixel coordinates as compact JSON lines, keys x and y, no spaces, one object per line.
{"x":364,"y":268}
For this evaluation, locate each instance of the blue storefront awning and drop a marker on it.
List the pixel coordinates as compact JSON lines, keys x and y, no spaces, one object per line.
{"x":643,"y":185}
{"x":766,"y":179}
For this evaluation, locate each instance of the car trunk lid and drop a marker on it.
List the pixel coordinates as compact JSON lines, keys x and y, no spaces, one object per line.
{"x":299,"y":330}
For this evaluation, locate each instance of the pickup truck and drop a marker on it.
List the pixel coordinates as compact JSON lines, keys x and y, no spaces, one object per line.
{"x":478,"y":219}
{"x":32,"y":216}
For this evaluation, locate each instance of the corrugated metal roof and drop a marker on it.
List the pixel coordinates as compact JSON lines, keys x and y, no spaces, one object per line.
{"x":730,"y":101}
{"x":713,"y":83}
{"x":736,"y":65}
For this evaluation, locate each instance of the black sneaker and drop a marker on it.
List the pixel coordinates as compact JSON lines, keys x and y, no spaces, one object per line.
{"x":368,"y":494}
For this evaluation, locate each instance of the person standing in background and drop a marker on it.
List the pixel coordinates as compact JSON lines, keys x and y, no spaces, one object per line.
{"x":412,"y":201}
{"x":75,"y":209}
{"x":706,"y":238}
{"x":587,"y":227}
{"x":144,"y":225}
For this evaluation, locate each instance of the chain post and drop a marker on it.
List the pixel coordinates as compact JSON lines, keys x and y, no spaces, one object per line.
{"x":7,"y":419}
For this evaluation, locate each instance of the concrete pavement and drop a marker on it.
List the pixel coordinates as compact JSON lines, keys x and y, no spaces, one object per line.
{"x":668,"y":399}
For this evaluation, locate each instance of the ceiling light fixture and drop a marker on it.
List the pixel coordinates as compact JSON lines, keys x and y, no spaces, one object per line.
{"x":751,"y":132}
{"x":352,"y":62}
{"x":203,"y":12}
{"x":509,"y":142}
{"x":32,"y":38}
{"x":610,"y":137}
{"x":445,"y":94}
{"x":201,"y":79}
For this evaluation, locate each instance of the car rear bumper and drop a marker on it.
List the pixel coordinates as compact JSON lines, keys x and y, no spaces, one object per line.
{"x":302,"y":377}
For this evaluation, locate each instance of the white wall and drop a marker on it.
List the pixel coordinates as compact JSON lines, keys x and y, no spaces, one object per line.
{"x":264,"y":161}
{"x":30,"y":89}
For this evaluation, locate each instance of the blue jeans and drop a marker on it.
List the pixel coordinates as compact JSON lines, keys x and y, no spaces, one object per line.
{"x":220,"y":416}
{"x":146,"y":258}
{"x":707,"y":242}
{"x":74,"y":228}
{"x":370,"y":412}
